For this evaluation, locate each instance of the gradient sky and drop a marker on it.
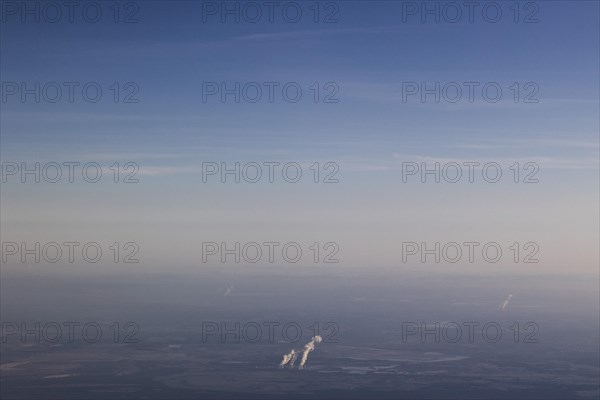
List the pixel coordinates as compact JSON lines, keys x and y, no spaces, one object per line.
{"x":369,"y":133}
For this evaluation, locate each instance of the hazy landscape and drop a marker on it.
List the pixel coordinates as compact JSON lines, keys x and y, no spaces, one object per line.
{"x":364,"y":352}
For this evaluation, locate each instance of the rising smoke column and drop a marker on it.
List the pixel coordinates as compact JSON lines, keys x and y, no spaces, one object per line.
{"x":503,"y":306}
{"x":290,"y":358}
{"x":228,"y":290}
{"x":310,"y":346}
{"x":287,"y":358}
{"x":293,"y":360}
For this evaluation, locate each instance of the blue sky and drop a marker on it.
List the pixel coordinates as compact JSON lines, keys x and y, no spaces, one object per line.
{"x":368,"y":54}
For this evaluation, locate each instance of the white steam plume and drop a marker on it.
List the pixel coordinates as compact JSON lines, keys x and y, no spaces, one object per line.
{"x":293,"y":360}
{"x":503,"y":306}
{"x":287,"y":358}
{"x":310,"y":346}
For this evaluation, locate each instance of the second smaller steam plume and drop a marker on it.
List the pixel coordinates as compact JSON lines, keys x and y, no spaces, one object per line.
{"x":287,"y":358}
{"x":505,"y":303}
